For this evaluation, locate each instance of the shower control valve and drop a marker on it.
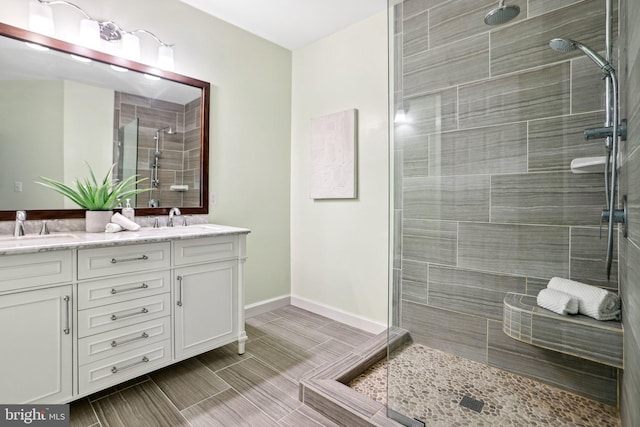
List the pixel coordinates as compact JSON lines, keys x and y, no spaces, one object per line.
{"x":607,"y":132}
{"x":619,"y":217}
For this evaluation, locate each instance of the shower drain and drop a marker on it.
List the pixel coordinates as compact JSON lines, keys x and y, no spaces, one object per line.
{"x":471,"y":403}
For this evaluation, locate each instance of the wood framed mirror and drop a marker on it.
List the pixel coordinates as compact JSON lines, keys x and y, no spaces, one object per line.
{"x":63,"y":105}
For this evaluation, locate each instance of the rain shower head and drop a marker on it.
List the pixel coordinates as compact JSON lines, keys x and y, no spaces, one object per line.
{"x":168,"y":130}
{"x":501,"y":14}
{"x":567,"y":45}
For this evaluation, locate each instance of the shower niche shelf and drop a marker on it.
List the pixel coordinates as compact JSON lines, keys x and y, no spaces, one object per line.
{"x":577,"y":335}
{"x":588,"y":165}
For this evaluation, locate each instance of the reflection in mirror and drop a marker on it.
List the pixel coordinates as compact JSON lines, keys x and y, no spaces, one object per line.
{"x":163,"y":146}
{"x":56,"y":113}
{"x":125,"y":153}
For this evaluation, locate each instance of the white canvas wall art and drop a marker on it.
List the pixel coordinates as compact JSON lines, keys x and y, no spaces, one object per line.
{"x":333,"y":156}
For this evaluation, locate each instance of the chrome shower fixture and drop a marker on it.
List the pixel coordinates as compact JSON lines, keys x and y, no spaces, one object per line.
{"x":155,"y":182}
{"x":613,"y":131}
{"x":501,"y":14}
{"x":567,"y":45}
{"x":168,"y":130}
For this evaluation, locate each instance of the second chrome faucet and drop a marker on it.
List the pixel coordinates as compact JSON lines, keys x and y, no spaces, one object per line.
{"x":21,"y":217}
{"x":172,"y":212}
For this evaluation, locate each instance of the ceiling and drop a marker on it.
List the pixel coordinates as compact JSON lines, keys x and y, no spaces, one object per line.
{"x":290,"y":23}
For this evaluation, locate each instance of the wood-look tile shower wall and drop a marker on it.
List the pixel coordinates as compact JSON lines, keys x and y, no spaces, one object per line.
{"x":485,"y":202}
{"x":630,"y":247}
{"x":180,"y":158}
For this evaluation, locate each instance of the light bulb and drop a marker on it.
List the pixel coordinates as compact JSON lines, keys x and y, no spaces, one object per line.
{"x":165,"y":57}
{"x":90,"y":33}
{"x":41,"y":18}
{"x":130,"y":46}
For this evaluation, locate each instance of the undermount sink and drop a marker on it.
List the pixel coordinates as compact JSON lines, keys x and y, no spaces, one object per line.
{"x":179,"y":228}
{"x":35,"y":240}
{"x":204,"y":227}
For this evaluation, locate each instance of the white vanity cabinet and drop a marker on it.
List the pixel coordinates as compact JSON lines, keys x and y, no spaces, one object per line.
{"x":104,"y":309}
{"x":35,"y":327}
{"x":208,"y":305}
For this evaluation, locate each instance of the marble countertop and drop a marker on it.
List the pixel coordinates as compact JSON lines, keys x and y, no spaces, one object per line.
{"x":75,"y":239}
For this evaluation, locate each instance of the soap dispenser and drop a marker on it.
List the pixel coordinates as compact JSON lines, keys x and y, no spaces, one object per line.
{"x":128,"y":212}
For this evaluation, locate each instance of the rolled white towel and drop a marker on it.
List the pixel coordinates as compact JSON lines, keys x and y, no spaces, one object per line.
{"x":592,"y":301}
{"x":112,"y":227}
{"x":125,"y":223}
{"x":557,"y":301}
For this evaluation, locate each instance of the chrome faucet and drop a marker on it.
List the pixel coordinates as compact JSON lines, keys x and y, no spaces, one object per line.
{"x":45,"y":229}
{"x":172,"y":212}
{"x":21,"y":217}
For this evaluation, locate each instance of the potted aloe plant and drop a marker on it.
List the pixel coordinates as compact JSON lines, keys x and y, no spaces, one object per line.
{"x":98,"y":197}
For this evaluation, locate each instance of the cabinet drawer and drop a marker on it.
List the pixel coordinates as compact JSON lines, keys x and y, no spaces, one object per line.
{"x":112,"y":316}
{"x":101,"y":262}
{"x":22,"y":271}
{"x":205,"y":250}
{"x":121,"y":367}
{"x":122,"y":288}
{"x":121,"y":340}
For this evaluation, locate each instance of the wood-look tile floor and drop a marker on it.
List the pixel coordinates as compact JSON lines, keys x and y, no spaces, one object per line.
{"x":222,"y":388}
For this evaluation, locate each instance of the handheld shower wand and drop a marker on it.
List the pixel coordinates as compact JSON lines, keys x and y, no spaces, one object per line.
{"x":567,"y":45}
{"x":611,"y":214}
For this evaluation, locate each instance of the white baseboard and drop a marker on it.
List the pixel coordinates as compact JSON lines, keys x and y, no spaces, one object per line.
{"x":339,"y":315}
{"x":267,"y":305}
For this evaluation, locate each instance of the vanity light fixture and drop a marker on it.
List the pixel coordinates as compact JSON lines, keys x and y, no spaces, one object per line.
{"x":41,"y":18}
{"x":92,"y":31}
{"x":130,"y":46}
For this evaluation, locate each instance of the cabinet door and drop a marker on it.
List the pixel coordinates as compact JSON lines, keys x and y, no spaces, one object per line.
{"x":36,"y":356}
{"x":205,"y":298}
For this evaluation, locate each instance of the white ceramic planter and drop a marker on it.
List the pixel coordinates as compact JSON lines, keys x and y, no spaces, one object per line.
{"x":96,"y":221}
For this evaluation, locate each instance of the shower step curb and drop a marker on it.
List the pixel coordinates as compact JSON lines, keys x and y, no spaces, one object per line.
{"x":325,"y":389}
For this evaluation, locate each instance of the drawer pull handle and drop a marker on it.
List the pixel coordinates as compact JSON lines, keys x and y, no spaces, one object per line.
{"x":141,"y":258}
{"x":179,"y":303}
{"x":67,"y":300}
{"x":143,"y":311}
{"x":116,"y":291}
{"x":144,"y":335}
{"x":115,"y":369}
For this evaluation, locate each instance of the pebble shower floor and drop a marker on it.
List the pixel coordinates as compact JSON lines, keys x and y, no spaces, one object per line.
{"x":429,"y":384}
